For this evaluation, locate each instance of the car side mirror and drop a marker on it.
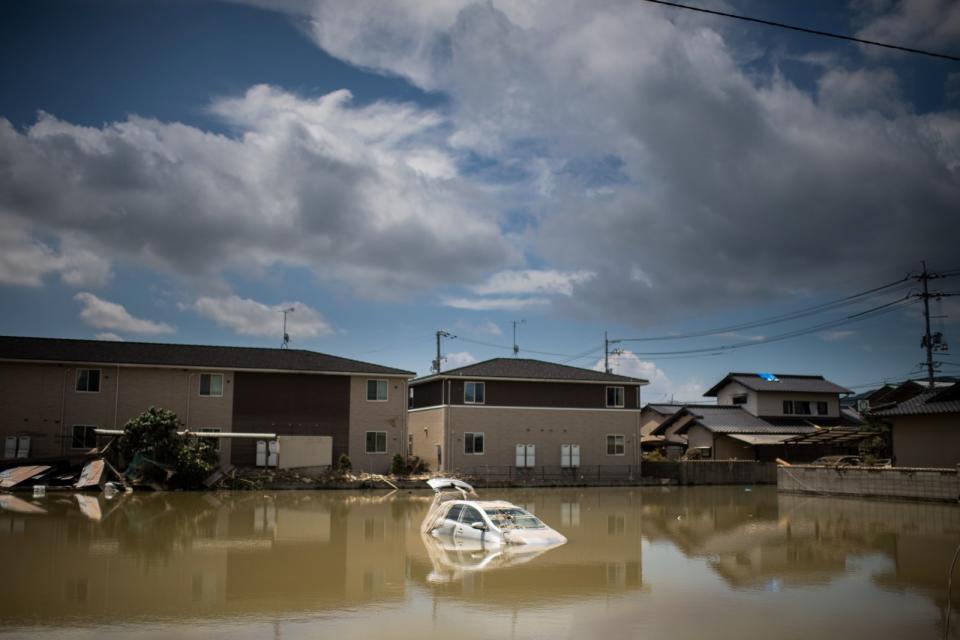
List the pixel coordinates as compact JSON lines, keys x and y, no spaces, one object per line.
{"x":479,"y":526}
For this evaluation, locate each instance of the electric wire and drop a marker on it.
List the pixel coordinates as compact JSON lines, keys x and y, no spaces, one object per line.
{"x":816,"y":32}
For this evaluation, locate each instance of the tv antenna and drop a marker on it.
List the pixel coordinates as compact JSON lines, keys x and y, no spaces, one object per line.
{"x":286,"y":336}
{"x":516,"y":349}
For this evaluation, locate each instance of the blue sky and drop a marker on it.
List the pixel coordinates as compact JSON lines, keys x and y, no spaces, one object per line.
{"x":179,"y":170}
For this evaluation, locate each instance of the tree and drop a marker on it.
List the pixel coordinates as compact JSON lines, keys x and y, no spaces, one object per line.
{"x":153,"y":436}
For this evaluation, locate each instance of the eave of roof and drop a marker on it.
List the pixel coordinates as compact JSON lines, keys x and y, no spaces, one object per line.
{"x":527,"y":370}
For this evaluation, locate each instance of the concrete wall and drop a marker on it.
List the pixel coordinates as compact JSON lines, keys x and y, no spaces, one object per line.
{"x":373,"y":415}
{"x":547,"y":429}
{"x":917,"y":484}
{"x":298,"y":452}
{"x":37,"y":395}
{"x":698,"y":436}
{"x":427,"y":428}
{"x":926,"y":441}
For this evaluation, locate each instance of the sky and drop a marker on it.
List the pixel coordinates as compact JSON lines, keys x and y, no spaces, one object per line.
{"x":181,"y":170}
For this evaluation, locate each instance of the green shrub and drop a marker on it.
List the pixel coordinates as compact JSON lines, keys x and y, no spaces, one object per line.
{"x":398,"y":466}
{"x":343,"y":464}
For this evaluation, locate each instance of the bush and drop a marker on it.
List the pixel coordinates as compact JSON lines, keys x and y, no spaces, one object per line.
{"x":654,"y":456}
{"x":343,"y":464}
{"x":398,"y":466}
{"x":153,"y":435}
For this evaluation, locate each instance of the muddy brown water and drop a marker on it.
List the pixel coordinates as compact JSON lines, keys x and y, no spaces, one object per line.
{"x":700,"y":562}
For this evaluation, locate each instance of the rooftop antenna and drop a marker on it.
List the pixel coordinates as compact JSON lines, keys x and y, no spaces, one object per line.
{"x":286,"y":336}
{"x":516,"y":349}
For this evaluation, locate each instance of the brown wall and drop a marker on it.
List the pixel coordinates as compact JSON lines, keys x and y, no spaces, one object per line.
{"x":502,"y":393}
{"x":368,"y":415}
{"x":38,"y":394}
{"x":290,"y":404}
{"x":926,"y":441}
{"x":427,"y":428}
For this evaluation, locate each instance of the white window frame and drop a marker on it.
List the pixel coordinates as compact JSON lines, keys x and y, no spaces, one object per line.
{"x":83,"y":426}
{"x":483,"y":385}
{"x":366,"y":443}
{"x":386,"y":389}
{"x":623,"y":444}
{"x":216,"y":441}
{"x":568,"y":463}
{"x":529,"y":456}
{"x":87,"y":390}
{"x":623,"y":397}
{"x":200,"y":385}
{"x":483,"y":443}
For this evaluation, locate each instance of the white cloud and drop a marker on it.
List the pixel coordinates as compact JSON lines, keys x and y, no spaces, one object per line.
{"x":487,"y":327}
{"x":661,"y":387}
{"x":495,"y":304}
{"x":369,"y":196}
{"x":532,"y":281}
{"x":928,"y":24}
{"x":459,"y":359}
{"x":103,"y":314}
{"x":252,"y":318}
{"x":106,"y":335}
{"x":24,"y":261}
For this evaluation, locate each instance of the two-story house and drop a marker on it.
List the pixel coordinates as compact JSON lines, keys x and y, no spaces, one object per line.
{"x":525,"y":414}
{"x":58,"y":392}
{"x":760,"y":416}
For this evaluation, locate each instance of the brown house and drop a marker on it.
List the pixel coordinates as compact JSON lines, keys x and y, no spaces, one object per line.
{"x":925,"y":428}
{"x":512,"y":413}
{"x":59,"y":391}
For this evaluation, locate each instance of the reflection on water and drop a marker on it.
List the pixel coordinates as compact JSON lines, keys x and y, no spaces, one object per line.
{"x":717,"y":562}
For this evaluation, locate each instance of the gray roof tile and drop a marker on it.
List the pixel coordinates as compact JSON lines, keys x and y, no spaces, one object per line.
{"x":185,"y":355}
{"x":784,"y":382}
{"x":927,"y":403}
{"x":530,"y":370}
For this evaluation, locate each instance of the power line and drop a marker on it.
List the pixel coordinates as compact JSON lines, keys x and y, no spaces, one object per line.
{"x":870,"y":313}
{"x":785,"y":317}
{"x":816,"y":32}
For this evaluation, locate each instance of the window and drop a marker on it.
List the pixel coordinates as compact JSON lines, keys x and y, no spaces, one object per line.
{"x":83,"y":437}
{"x":822,"y":408}
{"x":801,"y":407}
{"x":211,"y":384}
{"x":569,"y":455}
{"x":614,"y":396}
{"x":470,"y":515}
{"x":377,"y":390}
{"x":473,"y":392}
{"x":526,"y":455}
{"x":410,"y":402}
{"x":454,"y":512}
{"x":740,"y":398}
{"x":473,"y":443}
{"x":787,"y":407}
{"x":615,"y":445}
{"x":88,"y":380}
{"x":213,"y":442}
{"x":376,"y":441}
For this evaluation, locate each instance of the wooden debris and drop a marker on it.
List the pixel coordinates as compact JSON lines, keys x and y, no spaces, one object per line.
{"x":91,"y":474}
{"x":13,"y":477}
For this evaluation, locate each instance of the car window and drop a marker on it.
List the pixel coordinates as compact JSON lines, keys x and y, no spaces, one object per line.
{"x":454,"y":512}
{"x":470,"y":515}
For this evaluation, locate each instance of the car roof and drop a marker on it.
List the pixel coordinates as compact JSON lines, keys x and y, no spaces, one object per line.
{"x":487,"y":504}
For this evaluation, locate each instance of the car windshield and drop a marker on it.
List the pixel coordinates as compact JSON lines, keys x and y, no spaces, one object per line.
{"x":513,"y":517}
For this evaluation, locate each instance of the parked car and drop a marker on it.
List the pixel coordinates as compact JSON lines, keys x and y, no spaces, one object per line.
{"x":839,"y":461}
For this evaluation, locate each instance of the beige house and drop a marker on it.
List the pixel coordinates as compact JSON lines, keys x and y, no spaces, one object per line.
{"x":925,"y":428}
{"x":761,"y":416}
{"x":61,"y":390}
{"x":514,"y":416}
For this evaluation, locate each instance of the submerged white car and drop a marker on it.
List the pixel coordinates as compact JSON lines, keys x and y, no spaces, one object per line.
{"x":459,"y":513}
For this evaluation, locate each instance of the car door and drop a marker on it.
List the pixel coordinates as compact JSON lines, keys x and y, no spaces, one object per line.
{"x":468,"y":516}
{"x":451,"y":520}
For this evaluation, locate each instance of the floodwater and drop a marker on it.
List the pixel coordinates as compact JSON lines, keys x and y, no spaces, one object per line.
{"x":699,"y":562}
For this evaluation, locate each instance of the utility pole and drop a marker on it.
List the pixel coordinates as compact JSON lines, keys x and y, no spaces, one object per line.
{"x":440,"y":334}
{"x":286,"y":336}
{"x":931,"y":341}
{"x":606,"y":351}
{"x":516,"y":349}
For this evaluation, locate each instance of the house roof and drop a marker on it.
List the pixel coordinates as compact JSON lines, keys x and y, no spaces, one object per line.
{"x":668,"y":408}
{"x":526,"y":369}
{"x":929,"y":402}
{"x":780,"y":382}
{"x":183,"y":355}
{"x":730,"y":419}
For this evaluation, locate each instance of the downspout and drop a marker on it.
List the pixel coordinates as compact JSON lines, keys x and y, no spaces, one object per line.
{"x":63,"y":405}
{"x":447,"y":435}
{"x":186,"y":419}
{"x":116,"y":399}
